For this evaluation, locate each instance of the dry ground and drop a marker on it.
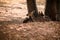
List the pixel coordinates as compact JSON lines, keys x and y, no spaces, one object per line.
{"x":12,"y":28}
{"x":30,"y":31}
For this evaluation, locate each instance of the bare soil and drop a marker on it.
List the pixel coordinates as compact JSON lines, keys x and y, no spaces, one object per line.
{"x":30,"y":31}
{"x":13,"y":28}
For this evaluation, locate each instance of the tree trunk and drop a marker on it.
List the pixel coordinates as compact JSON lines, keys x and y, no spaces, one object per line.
{"x":32,"y":9}
{"x":58,"y":10}
{"x":51,"y":9}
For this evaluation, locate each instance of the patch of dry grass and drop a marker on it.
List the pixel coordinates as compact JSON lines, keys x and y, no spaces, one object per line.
{"x":31,"y":31}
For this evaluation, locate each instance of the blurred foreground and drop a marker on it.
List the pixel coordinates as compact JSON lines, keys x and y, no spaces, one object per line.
{"x":30,"y":31}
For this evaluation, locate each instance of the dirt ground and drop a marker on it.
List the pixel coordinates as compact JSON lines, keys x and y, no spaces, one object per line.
{"x":16,"y":9}
{"x":13,"y":28}
{"x":30,"y":31}
{"x":9,"y":12}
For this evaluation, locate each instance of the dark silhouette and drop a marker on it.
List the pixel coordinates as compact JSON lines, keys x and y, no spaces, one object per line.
{"x":32,"y":10}
{"x":28,"y":20}
{"x":41,"y":13}
{"x":31,"y":5}
{"x":58,"y":10}
{"x":51,"y":9}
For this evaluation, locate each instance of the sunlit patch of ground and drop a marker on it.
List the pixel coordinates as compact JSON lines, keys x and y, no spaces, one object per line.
{"x":15,"y":12}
